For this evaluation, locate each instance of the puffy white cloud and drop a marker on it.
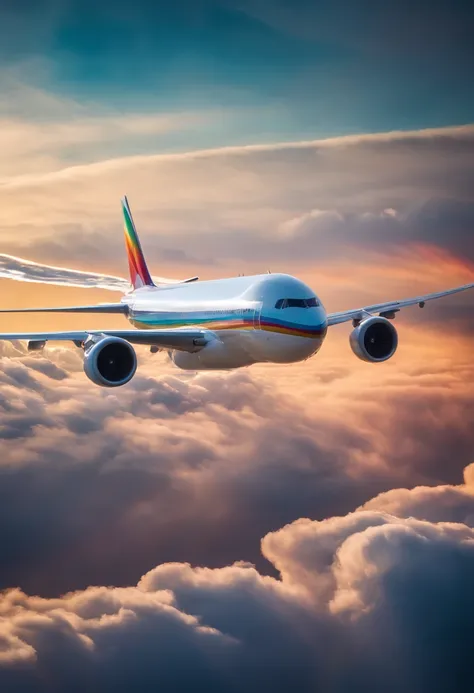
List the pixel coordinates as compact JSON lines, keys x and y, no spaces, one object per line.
{"x":97,"y":486}
{"x":172,"y":465}
{"x":446,"y":502}
{"x":363,"y":601}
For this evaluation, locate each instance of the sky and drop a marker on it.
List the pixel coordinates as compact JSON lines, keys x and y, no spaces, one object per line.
{"x":305,"y":527}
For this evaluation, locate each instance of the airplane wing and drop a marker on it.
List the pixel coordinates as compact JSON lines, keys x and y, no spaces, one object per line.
{"x":181,"y":339}
{"x":391,"y":307}
{"x":96,"y":308}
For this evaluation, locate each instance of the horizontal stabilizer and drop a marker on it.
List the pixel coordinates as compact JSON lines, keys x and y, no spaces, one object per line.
{"x":100,"y":308}
{"x":162,"y":281}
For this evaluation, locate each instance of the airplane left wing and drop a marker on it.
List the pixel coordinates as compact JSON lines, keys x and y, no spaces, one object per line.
{"x":389,"y":308}
{"x":111,"y":308}
{"x":180,"y":339}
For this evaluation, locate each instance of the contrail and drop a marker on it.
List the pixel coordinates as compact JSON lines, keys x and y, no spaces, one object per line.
{"x":22,"y":270}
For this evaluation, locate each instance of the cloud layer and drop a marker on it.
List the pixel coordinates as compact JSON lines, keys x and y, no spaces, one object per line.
{"x":290,"y":205}
{"x":90,"y":475}
{"x":363,"y":601}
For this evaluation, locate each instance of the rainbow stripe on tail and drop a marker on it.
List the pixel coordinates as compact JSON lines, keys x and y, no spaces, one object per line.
{"x":139,"y":274}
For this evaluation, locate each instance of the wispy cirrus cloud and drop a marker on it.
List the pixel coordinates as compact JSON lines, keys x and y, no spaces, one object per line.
{"x":42,"y":131}
{"x":45,"y":146}
{"x":297,"y":202}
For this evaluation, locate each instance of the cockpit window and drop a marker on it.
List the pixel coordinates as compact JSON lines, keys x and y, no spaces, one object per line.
{"x":297,"y":303}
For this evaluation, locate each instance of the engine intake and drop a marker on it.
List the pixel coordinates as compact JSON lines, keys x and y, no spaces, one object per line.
{"x":110,"y":361}
{"x":374,"y":340}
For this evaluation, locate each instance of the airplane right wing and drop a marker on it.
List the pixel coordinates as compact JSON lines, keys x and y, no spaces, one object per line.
{"x":389,"y":308}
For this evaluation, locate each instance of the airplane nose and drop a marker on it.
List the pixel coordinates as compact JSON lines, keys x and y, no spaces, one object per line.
{"x":314,"y":323}
{"x":305,"y":336}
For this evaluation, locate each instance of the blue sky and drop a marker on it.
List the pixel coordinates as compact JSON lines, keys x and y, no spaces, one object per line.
{"x":292,"y":69}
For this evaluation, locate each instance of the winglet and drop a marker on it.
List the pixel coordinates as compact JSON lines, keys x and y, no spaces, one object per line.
{"x":139,"y":274}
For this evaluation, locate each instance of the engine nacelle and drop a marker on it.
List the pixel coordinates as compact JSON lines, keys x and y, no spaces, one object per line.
{"x":109,"y":361}
{"x":374,"y":340}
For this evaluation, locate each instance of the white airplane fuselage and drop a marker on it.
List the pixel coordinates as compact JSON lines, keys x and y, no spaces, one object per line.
{"x":262,"y":318}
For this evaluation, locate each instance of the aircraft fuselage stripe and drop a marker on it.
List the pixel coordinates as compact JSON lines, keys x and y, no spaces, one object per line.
{"x":228,"y":322}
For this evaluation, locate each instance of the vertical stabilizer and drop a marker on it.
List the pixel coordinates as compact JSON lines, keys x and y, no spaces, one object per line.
{"x":139,"y":274}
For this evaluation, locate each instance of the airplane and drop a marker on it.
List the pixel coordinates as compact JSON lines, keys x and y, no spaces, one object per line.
{"x":218,"y":324}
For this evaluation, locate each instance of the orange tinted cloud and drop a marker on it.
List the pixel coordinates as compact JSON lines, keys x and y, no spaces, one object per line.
{"x":186,"y":461}
{"x":230,"y":203}
{"x":340,"y":583}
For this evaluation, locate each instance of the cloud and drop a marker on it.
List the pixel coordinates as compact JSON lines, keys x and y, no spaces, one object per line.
{"x":424,"y":255}
{"x":43,"y":131}
{"x":285,"y":204}
{"x":441,"y":223}
{"x":175,"y":468}
{"x":351,"y":592}
{"x":83,"y":137}
{"x":439,"y":503}
{"x":90,"y":475}
{"x":430,"y":140}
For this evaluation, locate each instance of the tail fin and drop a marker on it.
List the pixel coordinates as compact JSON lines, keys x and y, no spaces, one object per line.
{"x":139,"y":274}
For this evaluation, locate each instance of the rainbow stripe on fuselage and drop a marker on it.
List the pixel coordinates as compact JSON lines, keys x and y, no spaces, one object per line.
{"x":154,"y":320}
{"x":294,"y":329}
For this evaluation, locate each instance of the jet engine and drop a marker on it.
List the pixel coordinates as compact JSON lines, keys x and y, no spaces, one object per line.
{"x":109,"y":361}
{"x":374,"y":339}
